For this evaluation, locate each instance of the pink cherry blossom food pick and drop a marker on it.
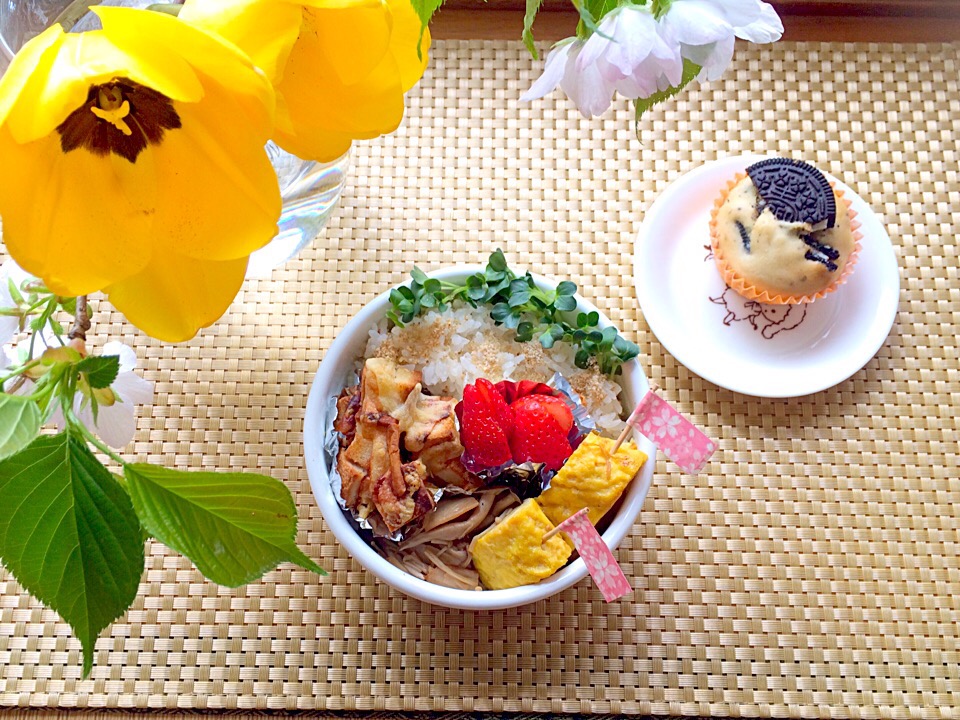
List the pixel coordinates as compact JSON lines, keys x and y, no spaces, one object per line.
{"x":600,"y":562}
{"x":678,"y":438}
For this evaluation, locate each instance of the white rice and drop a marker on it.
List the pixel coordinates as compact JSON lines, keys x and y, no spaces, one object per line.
{"x":454,"y":348}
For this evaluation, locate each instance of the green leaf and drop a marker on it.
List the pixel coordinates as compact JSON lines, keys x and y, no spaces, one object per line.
{"x":641,"y":105}
{"x":233,"y":526}
{"x":500,"y":312}
{"x":69,"y":305}
{"x":69,"y":535}
{"x":533,"y":7}
{"x":498,"y":262}
{"x":101,"y":370}
{"x":14,"y":291}
{"x":425,"y":10}
{"x":566,"y":287}
{"x":418,"y":275}
{"x":565,"y":303}
{"x":20,"y":420}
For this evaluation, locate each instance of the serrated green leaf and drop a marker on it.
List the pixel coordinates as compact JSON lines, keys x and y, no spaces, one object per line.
{"x":533,"y":7}
{"x":101,"y":370}
{"x":20,"y":421}
{"x":425,"y":10}
{"x":233,"y":526}
{"x":69,"y":535}
{"x":641,"y":105}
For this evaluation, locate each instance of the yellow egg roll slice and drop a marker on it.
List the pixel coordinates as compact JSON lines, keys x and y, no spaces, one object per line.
{"x":588,"y":480}
{"x":511,"y":552}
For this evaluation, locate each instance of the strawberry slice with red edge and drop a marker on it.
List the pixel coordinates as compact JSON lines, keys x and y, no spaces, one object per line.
{"x":491,"y":397}
{"x":485,"y":442}
{"x":550,"y":404}
{"x":538,"y":437}
{"x":511,"y":390}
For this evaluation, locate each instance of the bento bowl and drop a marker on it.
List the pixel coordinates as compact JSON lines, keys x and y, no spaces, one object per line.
{"x":338,"y":368}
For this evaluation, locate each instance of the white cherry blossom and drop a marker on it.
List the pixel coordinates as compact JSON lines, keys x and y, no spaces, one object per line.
{"x":586,"y":86}
{"x":116,"y":423}
{"x":630,"y":52}
{"x":706,"y":30}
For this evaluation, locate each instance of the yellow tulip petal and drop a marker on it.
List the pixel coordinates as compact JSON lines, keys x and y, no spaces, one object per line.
{"x":353,"y":40}
{"x":403,"y":43}
{"x":339,"y":4}
{"x":316,"y":100}
{"x":71,"y":218}
{"x":322,"y":146}
{"x":155,"y":35}
{"x":266,"y":31}
{"x":218,"y":196}
{"x":37,"y":53}
{"x":174,"y":296}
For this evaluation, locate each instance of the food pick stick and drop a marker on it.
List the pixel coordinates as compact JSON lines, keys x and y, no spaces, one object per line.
{"x":626,"y":431}
{"x":549,"y":535}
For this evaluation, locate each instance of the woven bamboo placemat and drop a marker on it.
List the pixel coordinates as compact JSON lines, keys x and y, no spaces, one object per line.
{"x":812,"y":570}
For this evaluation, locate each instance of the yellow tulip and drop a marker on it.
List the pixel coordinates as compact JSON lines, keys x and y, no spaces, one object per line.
{"x":134,"y":163}
{"x":340,"y":67}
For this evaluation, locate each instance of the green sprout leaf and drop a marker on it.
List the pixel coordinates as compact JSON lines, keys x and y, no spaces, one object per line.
{"x":69,"y":535}
{"x":233,"y":526}
{"x":516,"y":302}
{"x":101,"y":370}
{"x":20,"y":420}
{"x":641,"y":105}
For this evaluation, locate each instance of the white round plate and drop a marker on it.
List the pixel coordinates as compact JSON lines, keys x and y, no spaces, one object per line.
{"x":762,"y":350}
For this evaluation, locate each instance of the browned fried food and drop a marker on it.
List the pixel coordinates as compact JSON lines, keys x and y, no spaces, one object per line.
{"x":405,"y":501}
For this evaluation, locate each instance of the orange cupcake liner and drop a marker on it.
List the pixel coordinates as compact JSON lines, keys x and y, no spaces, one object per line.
{"x":742,"y":286}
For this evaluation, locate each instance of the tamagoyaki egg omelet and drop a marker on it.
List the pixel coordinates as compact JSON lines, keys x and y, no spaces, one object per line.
{"x":591,"y":478}
{"x":512,"y":552}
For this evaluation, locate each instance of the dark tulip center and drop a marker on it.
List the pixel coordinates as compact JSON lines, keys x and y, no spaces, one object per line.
{"x":120,"y":116}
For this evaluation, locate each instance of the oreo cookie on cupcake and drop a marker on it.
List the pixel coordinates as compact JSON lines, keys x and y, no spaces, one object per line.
{"x":783,"y":234}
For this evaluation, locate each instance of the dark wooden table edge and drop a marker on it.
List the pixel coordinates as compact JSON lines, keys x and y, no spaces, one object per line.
{"x":895,"y":21}
{"x":35,"y":713}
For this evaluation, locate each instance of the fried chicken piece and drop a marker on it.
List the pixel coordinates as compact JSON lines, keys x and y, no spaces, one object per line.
{"x":348,"y":405}
{"x":430,"y":434}
{"x":404,"y":499}
{"x":384,"y":385}
{"x":373,"y":454}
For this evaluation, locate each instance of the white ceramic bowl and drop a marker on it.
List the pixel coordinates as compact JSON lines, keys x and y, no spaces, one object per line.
{"x":337,"y":369}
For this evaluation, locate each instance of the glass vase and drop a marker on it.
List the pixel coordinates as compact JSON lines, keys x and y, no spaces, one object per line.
{"x":310,"y":190}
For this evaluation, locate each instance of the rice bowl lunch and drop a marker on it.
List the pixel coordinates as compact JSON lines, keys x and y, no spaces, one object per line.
{"x":460,"y":418}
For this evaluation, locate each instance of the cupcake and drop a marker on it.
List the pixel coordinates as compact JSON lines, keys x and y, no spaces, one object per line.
{"x":783,"y":234}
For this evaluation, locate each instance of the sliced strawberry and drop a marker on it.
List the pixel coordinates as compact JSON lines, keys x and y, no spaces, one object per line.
{"x":484,"y":441}
{"x":512,"y":390}
{"x":550,"y":404}
{"x":492,"y":398}
{"x":538,"y":437}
